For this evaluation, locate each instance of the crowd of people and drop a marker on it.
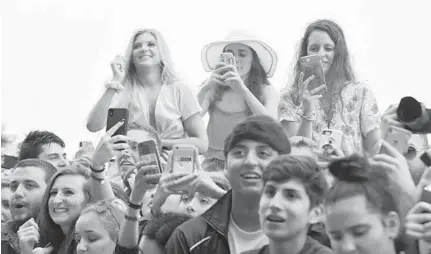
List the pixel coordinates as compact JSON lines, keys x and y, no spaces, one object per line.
{"x":261,"y":181}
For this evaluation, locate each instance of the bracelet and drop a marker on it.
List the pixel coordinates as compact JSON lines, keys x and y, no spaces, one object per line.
{"x":101,"y":180}
{"x":134,"y":206}
{"x":97,"y":171}
{"x":130,"y":218}
{"x":311,"y":117}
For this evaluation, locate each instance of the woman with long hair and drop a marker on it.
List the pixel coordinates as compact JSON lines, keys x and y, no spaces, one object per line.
{"x":236,"y":90}
{"x":146,"y":84}
{"x":66,"y":195}
{"x":348,"y":105}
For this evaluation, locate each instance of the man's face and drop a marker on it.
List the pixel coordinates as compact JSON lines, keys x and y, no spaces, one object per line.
{"x":54,"y":154}
{"x":245,"y":165}
{"x":128,"y":158}
{"x":27,"y":187}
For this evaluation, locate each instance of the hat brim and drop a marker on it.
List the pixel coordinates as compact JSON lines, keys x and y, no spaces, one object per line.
{"x":210,"y":55}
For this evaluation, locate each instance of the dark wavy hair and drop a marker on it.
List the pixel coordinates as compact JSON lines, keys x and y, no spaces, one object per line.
{"x":51,"y":232}
{"x":354,"y":176}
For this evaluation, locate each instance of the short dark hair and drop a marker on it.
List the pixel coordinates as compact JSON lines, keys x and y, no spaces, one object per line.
{"x":260,"y":128}
{"x":302,"y":168}
{"x":161,"y":227}
{"x":31,"y":147}
{"x":49,"y":169}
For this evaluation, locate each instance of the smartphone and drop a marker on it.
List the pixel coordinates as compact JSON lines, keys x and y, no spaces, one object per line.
{"x":312,"y":65}
{"x":9,"y":161}
{"x":183,"y":158}
{"x":426,"y":159}
{"x":398,"y":138}
{"x":330,"y":141}
{"x":228,"y":58}
{"x":426,"y":194}
{"x":115,"y":115}
{"x":148,"y":152}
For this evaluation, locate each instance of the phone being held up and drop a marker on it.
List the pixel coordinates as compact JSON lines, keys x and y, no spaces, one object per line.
{"x":183,"y":158}
{"x":148,"y":152}
{"x":116,"y":115}
{"x":312,"y":65}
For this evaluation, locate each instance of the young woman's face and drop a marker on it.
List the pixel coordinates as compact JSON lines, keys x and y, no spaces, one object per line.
{"x":243,"y":57}
{"x":319,"y":43}
{"x":197,"y":205}
{"x":145,"y":51}
{"x":353,"y":228}
{"x":92,"y":236}
{"x":67,"y":199}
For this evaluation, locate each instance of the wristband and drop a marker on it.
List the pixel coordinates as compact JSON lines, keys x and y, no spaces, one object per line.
{"x":101,"y":180}
{"x":130,"y":218}
{"x":134,"y":206}
{"x":97,"y":171}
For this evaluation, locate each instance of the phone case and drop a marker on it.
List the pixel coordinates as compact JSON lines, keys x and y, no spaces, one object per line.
{"x":312,"y":65}
{"x":398,"y":138}
{"x":426,"y":159}
{"x":115,"y":115}
{"x":227,"y":58}
{"x":183,"y":158}
{"x":426,"y":194}
{"x":331,"y":138}
{"x":148,"y":152}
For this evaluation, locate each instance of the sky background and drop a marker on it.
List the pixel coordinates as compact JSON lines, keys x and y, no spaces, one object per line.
{"x":55,"y":54}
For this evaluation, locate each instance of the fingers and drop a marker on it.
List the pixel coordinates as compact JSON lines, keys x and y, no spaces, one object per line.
{"x":146,"y":169}
{"x":422,"y":208}
{"x":186,"y":180}
{"x":318,"y":89}
{"x":301,"y":79}
{"x":228,"y":75}
{"x":114,"y":128}
{"x":308,"y":80}
{"x":174,"y":176}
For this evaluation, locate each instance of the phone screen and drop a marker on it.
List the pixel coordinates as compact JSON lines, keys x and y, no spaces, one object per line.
{"x":183,"y":164}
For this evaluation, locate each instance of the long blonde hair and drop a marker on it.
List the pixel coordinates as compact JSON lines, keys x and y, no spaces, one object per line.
{"x":168,"y":75}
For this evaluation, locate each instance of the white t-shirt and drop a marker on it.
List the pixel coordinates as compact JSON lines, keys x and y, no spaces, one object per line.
{"x":241,"y":241}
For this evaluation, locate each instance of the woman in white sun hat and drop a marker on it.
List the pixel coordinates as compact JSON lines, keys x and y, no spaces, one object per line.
{"x":233,"y":93}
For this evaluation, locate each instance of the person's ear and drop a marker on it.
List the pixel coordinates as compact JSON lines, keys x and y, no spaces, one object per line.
{"x":392,"y":223}
{"x":316,"y":214}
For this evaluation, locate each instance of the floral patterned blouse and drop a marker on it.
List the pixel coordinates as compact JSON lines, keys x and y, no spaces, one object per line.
{"x":356,"y":114}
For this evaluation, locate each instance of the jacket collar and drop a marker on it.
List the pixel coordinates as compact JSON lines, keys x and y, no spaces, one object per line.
{"x":218,"y":216}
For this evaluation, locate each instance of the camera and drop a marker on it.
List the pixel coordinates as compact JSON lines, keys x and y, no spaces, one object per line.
{"x":414,"y":115}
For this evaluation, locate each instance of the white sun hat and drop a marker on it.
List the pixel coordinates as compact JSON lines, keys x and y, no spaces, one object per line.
{"x":210,"y":55}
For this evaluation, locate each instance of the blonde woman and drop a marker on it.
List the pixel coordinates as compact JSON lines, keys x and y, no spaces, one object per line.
{"x":146,"y":84}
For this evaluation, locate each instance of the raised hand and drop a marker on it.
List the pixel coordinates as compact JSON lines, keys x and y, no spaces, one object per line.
{"x":28,"y":235}
{"x":107,"y":147}
{"x":118,"y":66}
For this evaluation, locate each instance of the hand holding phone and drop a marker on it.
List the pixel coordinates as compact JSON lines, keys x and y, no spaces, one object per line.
{"x":116,"y":115}
{"x":312,"y":66}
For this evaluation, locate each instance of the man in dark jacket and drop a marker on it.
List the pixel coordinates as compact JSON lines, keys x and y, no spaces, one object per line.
{"x":27,"y":184}
{"x":232,"y":224}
